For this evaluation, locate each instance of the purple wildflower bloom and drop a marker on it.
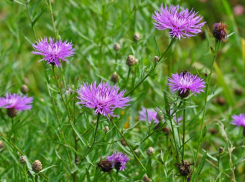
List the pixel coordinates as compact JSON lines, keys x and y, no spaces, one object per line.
{"x":53,"y":51}
{"x":118,"y":160}
{"x":152,"y":115}
{"x":181,"y":24}
{"x":238,"y":120}
{"x":16,"y":101}
{"x":186,"y":82}
{"x":103,"y":98}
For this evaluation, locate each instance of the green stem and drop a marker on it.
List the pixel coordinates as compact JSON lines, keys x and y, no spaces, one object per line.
{"x":117,"y":176}
{"x":95,"y":133}
{"x":131,"y":149}
{"x":217,"y":44}
{"x":52,"y":17}
{"x":111,"y":177}
{"x":183,"y":142}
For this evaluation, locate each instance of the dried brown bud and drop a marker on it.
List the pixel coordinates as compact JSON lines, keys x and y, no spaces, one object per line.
{"x":136,"y":37}
{"x":150,"y":151}
{"x":221,"y":150}
{"x":24,"y":89}
{"x":105,"y":165}
{"x":37,"y":166}
{"x":106,"y":129}
{"x":2,"y":146}
{"x":156,"y":58}
{"x":221,"y":101}
{"x":11,"y":112}
{"x":123,"y":142}
{"x":22,"y":159}
{"x":166,"y":130}
{"x":159,"y":117}
{"x":184,"y":168}
{"x":131,"y":60}
{"x":114,"y":77}
{"x":116,"y":46}
{"x":238,"y":91}
{"x":146,"y":178}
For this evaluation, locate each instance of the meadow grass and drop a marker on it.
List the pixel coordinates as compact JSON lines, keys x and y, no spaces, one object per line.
{"x":70,"y":140}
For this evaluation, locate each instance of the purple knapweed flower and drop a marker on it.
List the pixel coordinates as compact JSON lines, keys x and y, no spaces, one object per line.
{"x":186,"y":82}
{"x":118,"y":160}
{"x":14,"y":102}
{"x":238,"y":120}
{"x":181,"y":24}
{"x":102,"y":98}
{"x":152,"y":115}
{"x":53,"y":51}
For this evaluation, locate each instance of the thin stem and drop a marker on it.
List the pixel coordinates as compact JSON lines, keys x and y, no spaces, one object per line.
{"x":117,"y":176}
{"x":95,"y":133}
{"x":217,"y":44}
{"x":131,"y":149}
{"x":111,"y":177}
{"x":52,"y":17}
{"x":183,"y":142}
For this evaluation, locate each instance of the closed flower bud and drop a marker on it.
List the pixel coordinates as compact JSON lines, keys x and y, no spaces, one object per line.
{"x":114,"y":77}
{"x":104,"y":165}
{"x":2,"y":146}
{"x":159,"y":117}
{"x":220,"y":31}
{"x":136,"y":151}
{"x":123,"y":142}
{"x":166,"y":130}
{"x":11,"y":112}
{"x":116,"y":46}
{"x":238,"y":91}
{"x":130,"y":60}
{"x":136,"y":37}
{"x":150,"y":151}
{"x":156,"y":58}
{"x":23,"y":159}
{"x":221,"y":150}
{"x":24,"y":89}
{"x":37,"y":166}
{"x":136,"y":61}
{"x":106,"y":129}
{"x":146,"y":178}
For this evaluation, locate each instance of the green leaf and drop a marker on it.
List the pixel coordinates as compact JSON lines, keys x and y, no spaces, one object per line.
{"x":38,"y":15}
{"x":34,"y":6}
{"x":199,"y":168}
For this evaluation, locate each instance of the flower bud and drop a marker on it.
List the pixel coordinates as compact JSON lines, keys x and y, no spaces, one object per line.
{"x":166,"y":130}
{"x":123,"y":142}
{"x":24,"y":89}
{"x":150,"y":151}
{"x":105,"y":165}
{"x":106,"y":129}
{"x":114,"y":77}
{"x":116,"y":46}
{"x":221,"y":150}
{"x":159,"y":117}
{"x":37,"y":166}
{"x":136,"y":37}
{"x":220,"y":31}
{"x":238,"y":91}
{"x":136,"y":151}
{"x":11,"y":112}
{"x":131,"y":60}
{"x":136,"y":61}
{"x":156,"y":58}
{"x":22,"y":159}
{"x":146,"y":178}
{"x":2,"y":146}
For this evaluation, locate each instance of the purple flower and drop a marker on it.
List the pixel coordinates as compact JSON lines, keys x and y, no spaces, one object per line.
{"x":118,"y":160}
{"x":238,"y":120}
{"x":15,"y":102}
{"x":181,"y":24}
{"x":152,"y":115}
{"x":186,"y":82}
{"x":102,"y":98}
{"x":53,"y":51}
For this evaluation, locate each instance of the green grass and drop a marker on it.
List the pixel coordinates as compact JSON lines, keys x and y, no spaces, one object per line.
{"x":46,"y":132}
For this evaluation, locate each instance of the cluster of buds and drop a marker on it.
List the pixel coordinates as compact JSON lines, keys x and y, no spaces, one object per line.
{"x":131,"y":61}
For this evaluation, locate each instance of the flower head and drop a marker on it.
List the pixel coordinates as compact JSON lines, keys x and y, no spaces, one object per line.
{"x":102,"y":98}
{"x":14,"y":102}
{"x":220,"y":31}
{"x":53,"y":51}
{"x":181,"y":24}
{"x":186,"y":82}
{"x":238,"y":120}
{"x":118,"y":160}
{"x":152,"y":115}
